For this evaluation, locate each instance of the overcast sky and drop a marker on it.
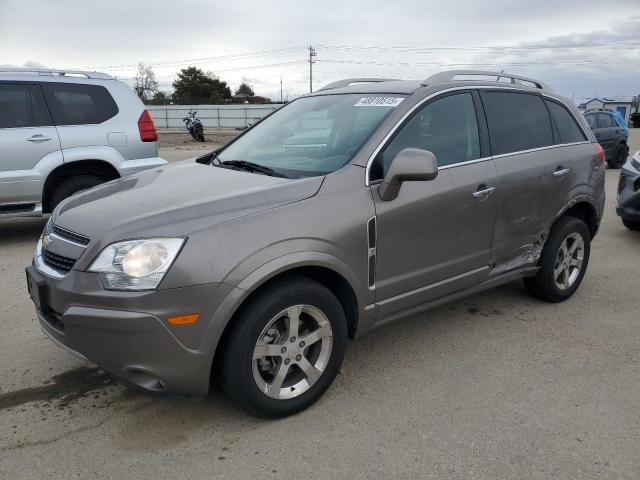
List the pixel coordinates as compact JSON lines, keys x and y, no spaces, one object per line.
{"x":580,"y":47}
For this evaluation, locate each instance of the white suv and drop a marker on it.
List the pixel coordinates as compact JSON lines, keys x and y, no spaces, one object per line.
{"x":64,"y":131}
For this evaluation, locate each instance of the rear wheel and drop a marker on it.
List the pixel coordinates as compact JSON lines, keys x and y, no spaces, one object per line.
{"x":622,"y":152}
{"x":631,"y":225}
{"x":285,"y":348}
{"x":564,"y":261}
{"x":72,"y":185}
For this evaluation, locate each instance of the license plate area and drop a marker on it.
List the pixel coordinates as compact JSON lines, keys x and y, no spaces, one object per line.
{"x":37,"y":288}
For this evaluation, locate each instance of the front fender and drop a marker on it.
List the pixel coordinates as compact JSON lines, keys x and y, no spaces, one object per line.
{"x":258,"y":277}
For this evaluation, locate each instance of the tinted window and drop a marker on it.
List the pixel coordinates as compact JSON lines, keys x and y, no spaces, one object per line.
{"x":604,"y":120}
{"x":79,"y":104}
{"x":591,"y":120}
{"x":21,"y":105}
{"x":517,"y":121}
{"x":447,"y":127}
{"x":567,"y":130}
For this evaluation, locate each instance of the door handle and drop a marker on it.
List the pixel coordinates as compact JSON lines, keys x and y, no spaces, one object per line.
{"x":483,"y":192}
{"x":38,"y":139}
{"x":561,"y":172}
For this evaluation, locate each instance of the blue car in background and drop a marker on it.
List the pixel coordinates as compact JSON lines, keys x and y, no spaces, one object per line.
{"x":612,"y":134}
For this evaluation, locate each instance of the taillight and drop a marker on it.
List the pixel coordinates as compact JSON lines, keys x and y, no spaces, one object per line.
{"x":599,"y":152}
{"x":147,"y":128}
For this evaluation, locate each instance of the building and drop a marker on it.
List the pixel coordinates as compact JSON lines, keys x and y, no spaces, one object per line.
{"x":622,"y":105}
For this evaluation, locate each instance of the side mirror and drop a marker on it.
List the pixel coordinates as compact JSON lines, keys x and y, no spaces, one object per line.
{"x":409,"y":165}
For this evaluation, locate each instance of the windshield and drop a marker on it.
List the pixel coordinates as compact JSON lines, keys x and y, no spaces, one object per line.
{"x":312,"y":135}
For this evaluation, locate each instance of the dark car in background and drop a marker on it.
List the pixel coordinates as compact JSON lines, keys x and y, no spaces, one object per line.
{"x":628,"y":207}
{"x":610,"y":135}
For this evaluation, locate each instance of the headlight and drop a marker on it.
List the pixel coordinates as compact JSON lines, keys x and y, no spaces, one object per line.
{"x":136,"y":264}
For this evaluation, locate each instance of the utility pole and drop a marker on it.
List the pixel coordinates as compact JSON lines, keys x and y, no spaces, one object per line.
{"x":312,"y":55}
{"x":280,"y":89}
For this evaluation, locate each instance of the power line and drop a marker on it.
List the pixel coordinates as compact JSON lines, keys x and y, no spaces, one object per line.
{"x":178,"y":62}
{"x":489,"y":49}
{"x":485,"y":64}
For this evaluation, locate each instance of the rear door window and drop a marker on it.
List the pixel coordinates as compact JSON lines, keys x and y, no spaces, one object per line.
{"x":22,"y":105}
{"x":604,"y":120}
{"x":517,"y":121}
{"x":566,"y":127}
{"x":76,"y":104}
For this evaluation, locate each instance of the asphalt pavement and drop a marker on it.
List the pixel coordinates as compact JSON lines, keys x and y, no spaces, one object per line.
{"x":498,"y":385}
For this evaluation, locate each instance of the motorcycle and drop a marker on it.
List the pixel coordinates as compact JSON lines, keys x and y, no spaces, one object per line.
{"x":194,"y":125}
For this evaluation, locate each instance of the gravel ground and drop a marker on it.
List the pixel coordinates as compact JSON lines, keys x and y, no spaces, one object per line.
{"x":495,"y":386}
{"x":177,"y":144}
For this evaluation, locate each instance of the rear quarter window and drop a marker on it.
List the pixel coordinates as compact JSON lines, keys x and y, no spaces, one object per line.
{"x":566,"y":127}
{"x":517,"y":121}
{"x":76,"y":104}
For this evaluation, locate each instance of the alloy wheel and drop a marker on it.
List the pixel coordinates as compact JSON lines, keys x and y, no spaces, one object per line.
{"x":569,"y":260}
{"x":292,"y":352}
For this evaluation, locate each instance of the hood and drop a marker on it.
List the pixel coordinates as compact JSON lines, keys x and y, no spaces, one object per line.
{"x":176,"y":200}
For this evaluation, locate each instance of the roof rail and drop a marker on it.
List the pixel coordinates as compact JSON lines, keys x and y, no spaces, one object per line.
{"x":450,"y":76}
{"x":54,"y":72}
{"x":350,"y":81}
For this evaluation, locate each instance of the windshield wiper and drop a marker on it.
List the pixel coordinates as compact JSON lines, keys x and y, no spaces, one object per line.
{"x":251,"y":167}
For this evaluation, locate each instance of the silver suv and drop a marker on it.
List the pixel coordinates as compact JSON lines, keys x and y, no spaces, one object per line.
{"x":64,"y":131}
{"x":349,"y":208}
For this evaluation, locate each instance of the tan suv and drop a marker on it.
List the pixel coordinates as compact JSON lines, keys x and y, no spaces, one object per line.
{"x":349,"y":208}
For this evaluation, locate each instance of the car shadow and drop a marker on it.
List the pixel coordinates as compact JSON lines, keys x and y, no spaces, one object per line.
{"x":16,"y":230}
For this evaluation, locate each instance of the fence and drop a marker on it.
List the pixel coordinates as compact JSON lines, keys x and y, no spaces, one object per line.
{"x":211,"y":116}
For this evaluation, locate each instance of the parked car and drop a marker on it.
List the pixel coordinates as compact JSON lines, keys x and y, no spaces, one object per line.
{"x":628,"y":207}
{"x":254,"y":265}
{"x":610,"y":135}
{"x":62,"y":132}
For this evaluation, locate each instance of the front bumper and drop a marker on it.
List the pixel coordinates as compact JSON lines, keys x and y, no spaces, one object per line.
{"x":628,"y":205}
{"x":126,"y":333}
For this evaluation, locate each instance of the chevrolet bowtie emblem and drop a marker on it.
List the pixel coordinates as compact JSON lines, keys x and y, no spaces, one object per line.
{"x":46,"y":241}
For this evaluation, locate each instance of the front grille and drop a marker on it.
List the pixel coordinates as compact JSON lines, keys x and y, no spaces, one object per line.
{"x":57,"y":262}
{"x":69,"y":235}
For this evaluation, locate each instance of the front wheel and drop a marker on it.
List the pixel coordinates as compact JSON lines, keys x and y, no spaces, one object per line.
{"x":563,"y":262}
{"x":285,"y":348}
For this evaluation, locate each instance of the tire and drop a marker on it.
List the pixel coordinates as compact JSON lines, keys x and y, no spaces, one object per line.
{"x":631,"y":225}
{"x":200,"y":134}
{"x":252,"y":384}
{"x":553,"y":282}
{"x":622,"y":152}
{"x":72,"y":185}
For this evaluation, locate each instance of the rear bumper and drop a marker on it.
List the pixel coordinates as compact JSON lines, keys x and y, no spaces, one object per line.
{"x":127,"y":167}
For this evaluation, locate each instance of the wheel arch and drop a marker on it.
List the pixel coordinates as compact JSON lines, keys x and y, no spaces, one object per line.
{"x":323,"y":268}
{"x":586,"y":210}
{"x":98,"y":168}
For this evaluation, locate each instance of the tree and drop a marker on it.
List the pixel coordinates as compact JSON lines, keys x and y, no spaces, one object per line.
{"x":160,"y":98}
{"x":193,"y":86}
{"x":146,"y":84}
{"x":245,"y":89}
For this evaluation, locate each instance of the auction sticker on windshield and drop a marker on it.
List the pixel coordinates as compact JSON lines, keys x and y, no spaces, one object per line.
{"x":379,"y":102}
